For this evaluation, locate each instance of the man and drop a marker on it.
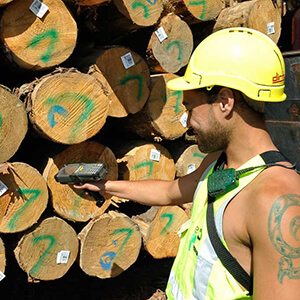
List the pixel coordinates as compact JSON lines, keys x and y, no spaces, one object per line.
{"x":229,"y":77}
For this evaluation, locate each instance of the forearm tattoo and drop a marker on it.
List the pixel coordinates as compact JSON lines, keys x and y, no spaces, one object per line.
{"x":288,"y":252}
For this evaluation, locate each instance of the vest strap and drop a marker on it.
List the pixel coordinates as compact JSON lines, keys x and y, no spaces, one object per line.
{"x":229,"y":262}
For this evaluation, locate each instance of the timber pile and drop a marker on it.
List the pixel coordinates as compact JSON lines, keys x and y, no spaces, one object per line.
{"x":91,"y":76}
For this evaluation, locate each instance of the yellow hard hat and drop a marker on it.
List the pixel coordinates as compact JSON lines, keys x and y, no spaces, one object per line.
{"x":240,"y":58}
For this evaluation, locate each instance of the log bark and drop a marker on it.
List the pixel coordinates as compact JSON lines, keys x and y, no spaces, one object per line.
{"x":142,"y":161}
{"x":162,"y":117}
{"x":13,"y":124}
{"x":110,"y":244}
{"x":66,"y":106}
{"x":72,"y":204}
{"x":172,"y":53}
{"x":37,"y":252}
{"x":38,"y":43}
{"x":144,"y":13}
{"x":195,"y":11}
{"x":261,"y":15}
{"x":2,"y":257}
{"x":160,"y":234}
{"x":187,"y":157}
{"x":127,"y":89}
{"x":25,"y":200}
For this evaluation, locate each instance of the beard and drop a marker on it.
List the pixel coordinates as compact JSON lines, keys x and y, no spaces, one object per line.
{"x":215,"y":138}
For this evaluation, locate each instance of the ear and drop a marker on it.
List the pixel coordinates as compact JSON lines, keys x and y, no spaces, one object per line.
{"x":226,"y":101}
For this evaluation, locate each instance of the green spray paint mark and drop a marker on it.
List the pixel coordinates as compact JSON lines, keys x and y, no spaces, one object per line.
{"x":139,"y":79}
{"x":51,"y":34}
{"x":198,"y":155}
{"x":178,"y":95}
{"x":46,"y":252}
{"x":129,"y":233}
{"x":0,"y":121}
{"x":170,"y":221}
{"x":145,"y":164}
{"x":178,"y":44}
{"x":138,"y":4}
{"x":199,"y":3}
{"x":86,"y":112}
{"x":16,"y":216}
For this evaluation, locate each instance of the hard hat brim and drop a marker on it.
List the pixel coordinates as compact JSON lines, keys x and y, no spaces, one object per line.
{"x":179,"y":84}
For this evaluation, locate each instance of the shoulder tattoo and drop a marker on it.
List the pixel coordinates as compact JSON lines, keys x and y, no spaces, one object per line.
{"x":288,"y":252}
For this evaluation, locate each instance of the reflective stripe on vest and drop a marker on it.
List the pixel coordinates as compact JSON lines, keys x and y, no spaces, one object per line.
{"x":197,"y":272}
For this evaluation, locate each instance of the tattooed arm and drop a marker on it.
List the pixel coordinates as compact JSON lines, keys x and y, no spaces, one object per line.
{"x":274,"y":229}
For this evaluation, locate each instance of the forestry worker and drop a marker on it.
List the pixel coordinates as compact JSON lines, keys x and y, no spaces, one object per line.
{"x":242,"y":240}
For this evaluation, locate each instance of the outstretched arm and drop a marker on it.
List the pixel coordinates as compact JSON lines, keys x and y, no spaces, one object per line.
{"x":153,"y":192}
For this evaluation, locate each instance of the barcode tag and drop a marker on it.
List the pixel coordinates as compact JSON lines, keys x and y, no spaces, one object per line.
{"x":271,"y":28}
{"x":161,"y":34}
{"x":2,"y":276}
{"x":62,"y":257}
{"x":127,"y":60}
{"x":155,"y":154}
{"x":183,"y":120}
{"x":3,"y":188}
{"x":38,"y":8}
{"x":191,"y":168}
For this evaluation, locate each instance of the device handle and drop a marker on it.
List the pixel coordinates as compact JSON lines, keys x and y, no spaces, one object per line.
{"x":98,"y":197}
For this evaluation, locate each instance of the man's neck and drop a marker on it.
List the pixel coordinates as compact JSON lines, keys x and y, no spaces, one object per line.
{"x":246,"y":143}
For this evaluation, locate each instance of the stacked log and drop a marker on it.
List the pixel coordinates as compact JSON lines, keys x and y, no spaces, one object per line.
{"x":72,"y":112}
{"x":13,"y":124}
{"x":2,"y":260}
{"x":164,"y":116}
{"x":25,"y":200}
{"x":110,"y":244}
{"x":48,"y":251}
{"x":73,"y":204}
{"x":40,"y":37}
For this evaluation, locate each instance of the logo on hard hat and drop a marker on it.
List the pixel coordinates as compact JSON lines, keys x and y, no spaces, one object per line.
{"x":278,"y":78}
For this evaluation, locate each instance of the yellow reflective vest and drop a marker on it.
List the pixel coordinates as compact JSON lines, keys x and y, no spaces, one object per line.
{"x":197,"y":272}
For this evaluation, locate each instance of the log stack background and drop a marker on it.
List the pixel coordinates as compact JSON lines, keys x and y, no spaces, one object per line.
{"x":85,"y":80}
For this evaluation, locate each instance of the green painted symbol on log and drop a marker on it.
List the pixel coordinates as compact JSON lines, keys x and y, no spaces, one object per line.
{"x":170,"y":221}
{"x":138,"y":4}
{"x":178,"y":44}
{"x":139,"y":78}
{"x":41,"y":260}
{"x":203,"y":3}
{"x":198,"y":155}
{"x":51,"y":34}
{"x":144,"y":164}
{"x":28,"y":202}
{"x":1,"y":120}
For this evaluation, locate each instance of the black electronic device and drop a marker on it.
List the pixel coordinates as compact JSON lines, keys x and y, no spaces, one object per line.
{"x":77,"y":173}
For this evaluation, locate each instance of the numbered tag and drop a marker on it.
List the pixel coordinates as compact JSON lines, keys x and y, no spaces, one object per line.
{"x":271,"y":28}
{"x":183,"y":120}
{"x":3,"y":188}
{"x":62,"y":257}
{"x":38,"y":8}
{"x":191,"y":168}
{"x":2,"y":276}
{"x":155,"y":154}
{"x":127,"y":60}
{"x":161,"y":34}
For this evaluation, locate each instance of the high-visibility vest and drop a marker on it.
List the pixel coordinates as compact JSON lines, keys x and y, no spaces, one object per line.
{"x":197,"y":272}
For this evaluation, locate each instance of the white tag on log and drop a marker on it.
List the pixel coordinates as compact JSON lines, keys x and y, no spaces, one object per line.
{"x":161,"y":34}
{"x":3,"y":188}
{"x":127,"y":60}
{"x":183,"y":120}
{"x":155,"y":154}
{"x":38,"y":8}
{"x":2,"y":276}
{"x":191,"y":168}
{"x":63,"y":257}
{"x":271,"y":28}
